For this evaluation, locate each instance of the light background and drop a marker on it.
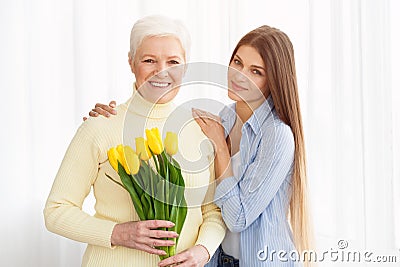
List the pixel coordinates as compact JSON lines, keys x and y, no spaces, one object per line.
{"x":58,"y":58}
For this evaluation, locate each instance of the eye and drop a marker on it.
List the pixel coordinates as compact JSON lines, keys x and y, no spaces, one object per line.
{"x":149,"y":60}
{"x":173,"y":62}
{"x":237,"y":62}
{"x":257,"y":72}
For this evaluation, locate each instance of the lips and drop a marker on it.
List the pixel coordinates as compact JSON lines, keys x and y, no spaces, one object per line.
{"x":236,"y":87}
{"x":161,"y":85}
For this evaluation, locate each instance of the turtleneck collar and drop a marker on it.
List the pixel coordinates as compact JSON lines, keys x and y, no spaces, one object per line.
{"x":140,"y":106}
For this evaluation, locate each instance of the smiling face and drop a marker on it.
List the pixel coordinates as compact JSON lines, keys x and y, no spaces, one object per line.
{"x":157,"y":68}
{"x":247,"y":80}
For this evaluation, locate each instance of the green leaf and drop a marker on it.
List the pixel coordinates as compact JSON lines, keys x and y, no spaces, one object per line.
{"x":182,"y":211}
{"x":159,"y":204}
{"x":161,"y":165}
{"x":136,"y":185}
{"x":126,"y":181}
{"x":172,"y":249}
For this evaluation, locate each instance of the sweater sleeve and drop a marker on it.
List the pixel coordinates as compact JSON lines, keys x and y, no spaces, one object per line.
{"x":63,"y":210}
{"x":212,"y":230}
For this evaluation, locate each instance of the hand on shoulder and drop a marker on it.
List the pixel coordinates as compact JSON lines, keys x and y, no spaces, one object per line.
{"x":103,"y":109}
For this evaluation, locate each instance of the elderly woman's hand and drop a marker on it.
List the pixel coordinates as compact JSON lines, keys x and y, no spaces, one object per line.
{"x":103,"y":109}
{"x":143,"y":235}
{"x":196,"y":256}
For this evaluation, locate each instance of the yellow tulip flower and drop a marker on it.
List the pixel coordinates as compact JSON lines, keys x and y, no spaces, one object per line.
{"x":113,"y":158}
{"x":142,"y":148}
{"x":171,"y":143}
{"x":154,"y":140}
{"x":132,"y":161}
{"x":121,"y":157}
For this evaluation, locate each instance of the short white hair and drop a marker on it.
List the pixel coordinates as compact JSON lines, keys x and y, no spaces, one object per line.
{"x":159,"y":26}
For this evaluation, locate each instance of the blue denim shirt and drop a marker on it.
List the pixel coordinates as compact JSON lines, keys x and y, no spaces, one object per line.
{"x":256,"y":202}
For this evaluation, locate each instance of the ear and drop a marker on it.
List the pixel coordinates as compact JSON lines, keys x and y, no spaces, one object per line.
{"x":131,"y":63}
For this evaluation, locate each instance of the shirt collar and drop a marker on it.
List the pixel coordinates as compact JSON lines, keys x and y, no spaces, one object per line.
{"x":260,"y":115}
{"x":228,"y":116}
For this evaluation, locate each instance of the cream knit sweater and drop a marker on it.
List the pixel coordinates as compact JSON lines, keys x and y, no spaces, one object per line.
{"x":85,"y":164}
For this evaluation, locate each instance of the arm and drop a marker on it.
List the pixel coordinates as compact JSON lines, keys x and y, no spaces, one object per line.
{"x":211,"y":126}
{"x":241,"y":203}
{"x":63,"y":211}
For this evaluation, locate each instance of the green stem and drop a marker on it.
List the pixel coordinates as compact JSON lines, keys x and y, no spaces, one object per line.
{"x":118,"y":183}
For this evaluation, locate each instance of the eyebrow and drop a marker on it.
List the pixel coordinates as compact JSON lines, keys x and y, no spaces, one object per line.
{"x":254,"y":66}
{"x":151,"y":55}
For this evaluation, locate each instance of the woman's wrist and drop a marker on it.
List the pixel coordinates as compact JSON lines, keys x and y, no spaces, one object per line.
{"x":114,"y":235}
{"x":221,"y":147}
{"x":205,"y":251}
{"x":222,"y":164}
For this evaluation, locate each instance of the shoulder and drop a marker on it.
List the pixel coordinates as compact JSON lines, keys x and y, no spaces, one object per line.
{"x":101,"y":121}
{"x":96,"y":127}
{"x":277,"y":134}
{"x":227,"y":112}
{"x":191,"y":138}
{"x":284,"y":133}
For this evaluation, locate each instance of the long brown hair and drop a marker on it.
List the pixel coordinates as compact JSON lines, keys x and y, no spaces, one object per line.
{"x":276,"y":50}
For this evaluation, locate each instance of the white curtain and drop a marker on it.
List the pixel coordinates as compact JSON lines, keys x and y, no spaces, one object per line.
{"x":351,"y":107}
{"x":58,"y":58}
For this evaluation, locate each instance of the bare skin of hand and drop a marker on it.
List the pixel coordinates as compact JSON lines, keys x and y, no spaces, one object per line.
{"x":212,"y":127}
{"x":143,"y":235}
{"x":196,"y":256}
{"x":103,"y":109}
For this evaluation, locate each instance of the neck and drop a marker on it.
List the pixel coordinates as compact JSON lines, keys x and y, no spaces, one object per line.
{"x":144,"y":108}
{"x":243,"y":110}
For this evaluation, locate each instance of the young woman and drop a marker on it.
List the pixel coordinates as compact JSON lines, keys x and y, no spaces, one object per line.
{"x":259,"y":155}
{"x":115,"y":235}
{"x":260,"y":166}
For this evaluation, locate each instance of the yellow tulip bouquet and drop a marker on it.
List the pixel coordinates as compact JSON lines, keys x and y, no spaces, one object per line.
{"x":156,"y":192}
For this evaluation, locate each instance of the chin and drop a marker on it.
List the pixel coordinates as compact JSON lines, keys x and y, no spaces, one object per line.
{"x":235,"y":97}
{"x":168,"y":96}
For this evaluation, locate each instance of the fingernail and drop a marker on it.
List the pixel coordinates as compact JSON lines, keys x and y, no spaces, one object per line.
{"x":113,"y":112}
{"x":107,"y":114}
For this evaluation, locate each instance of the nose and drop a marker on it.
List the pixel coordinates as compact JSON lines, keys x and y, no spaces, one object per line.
{"x":239,"y":75}
{"x":161,"y":71}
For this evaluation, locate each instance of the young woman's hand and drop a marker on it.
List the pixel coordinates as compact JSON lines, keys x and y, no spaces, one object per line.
{"x":196,"y":256}
{"x":102,"y":109}
{"x":211,"y":126}
{"x":143,"y":235}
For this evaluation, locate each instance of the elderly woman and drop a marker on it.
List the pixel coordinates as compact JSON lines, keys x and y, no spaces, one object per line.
{"x":115,"y":235}
{"x":260,"y":161}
